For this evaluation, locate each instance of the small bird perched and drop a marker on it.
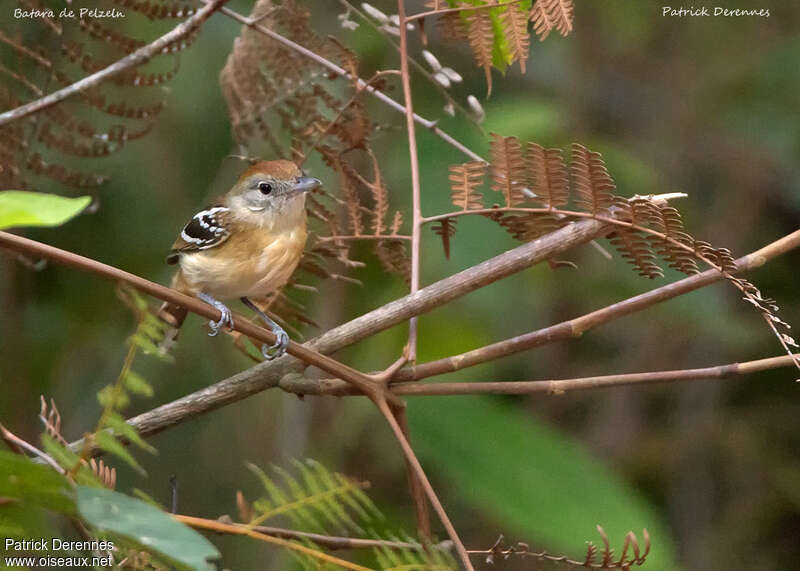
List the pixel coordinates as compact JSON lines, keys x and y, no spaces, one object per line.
{"x":245,"y":245}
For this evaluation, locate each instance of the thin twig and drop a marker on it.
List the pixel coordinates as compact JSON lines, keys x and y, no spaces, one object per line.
{"x":562,"y":386}
{"x":416,"y":194}
{"x":220,"y":527}
{"x":415,"y":64}
{"x":333,"y":542}
{"x":140,"y":56}
{"x":462,"y":8}
{"x":411,"y":457}
{"x":18,"y":445}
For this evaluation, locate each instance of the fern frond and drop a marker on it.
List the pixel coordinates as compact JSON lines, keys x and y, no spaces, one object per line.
{"x":508,"y":168}
{"x":632,"y":243}
{"x":667,"y":221}
{"x":464,"y":179}
{"x":594,"y":187}
{"x":452,"y":27}
{"x":547,"y":15}
{"x":547,"y":174}
{"x":394,"y":258}
{"x":528,"y":226}
{"x":481,"y":40}
{"x":380,"y":195}
{"x":515,"y":26}
{"x":446,"y":229}
{"x":320,"y":497}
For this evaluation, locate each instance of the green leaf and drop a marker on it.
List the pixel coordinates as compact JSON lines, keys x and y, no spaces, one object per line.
{"x":67,"y":459}
{"x":147,"y":526}
{"x":125,"y":430}
{"x":135,"y":383}
{"x":23,"y":208}
{"x":110,"y":444}
{"x":109,"y":396}
{"x":542,"y":485}
{"x":34,"y":484}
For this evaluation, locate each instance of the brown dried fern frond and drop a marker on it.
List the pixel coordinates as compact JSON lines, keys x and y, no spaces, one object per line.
{"x":98,"y":122}
{"x":593,"y":185}
{"x":547,"y":15}
{"x":107,"y":475}
{"x":481,"y":40}
{"x":445,"y":229}
{"x":51,"y":419}
{"x":547,"y":174}
{"x":667,"y":221}
{"x":508,"y":169}
{"x":394,"y":258}
{"x":515,"y":26}
{"x":632,"y":243}
{"x":465,"y":179}
{"x":528,"y":226}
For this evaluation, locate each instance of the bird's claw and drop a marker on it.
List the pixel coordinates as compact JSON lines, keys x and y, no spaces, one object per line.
{"x":226,"y":320}
{"x":277,"y":349}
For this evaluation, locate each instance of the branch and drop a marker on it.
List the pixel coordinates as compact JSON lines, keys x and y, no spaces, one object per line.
{"x":465,"y":8}
{"x":560,"y":387}
{"x":220,"y":527}
{"x":334,"y":542}
{"x":270,"y":374}
{"x":579,"y":325}
{"x":140,"y":56}
{"x":416,"y":194}
{"x":241,"y":324}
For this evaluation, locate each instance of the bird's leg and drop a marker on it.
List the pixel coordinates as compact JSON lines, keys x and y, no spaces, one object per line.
{"x":225,"y":319}
{"x":277,"y":349}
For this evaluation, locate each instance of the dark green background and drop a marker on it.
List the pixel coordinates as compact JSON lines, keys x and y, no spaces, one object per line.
{"x":707,"y":106}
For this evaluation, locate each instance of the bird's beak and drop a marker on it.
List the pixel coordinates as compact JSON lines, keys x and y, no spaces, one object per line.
{"x":306,"y":183}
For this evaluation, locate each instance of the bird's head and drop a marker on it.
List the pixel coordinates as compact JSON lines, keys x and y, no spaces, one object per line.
{"x":270,"y":187}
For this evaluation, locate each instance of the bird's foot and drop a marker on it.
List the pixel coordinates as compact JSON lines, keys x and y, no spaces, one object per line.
{"x":226,"y":318}
{"x":278,"y":348}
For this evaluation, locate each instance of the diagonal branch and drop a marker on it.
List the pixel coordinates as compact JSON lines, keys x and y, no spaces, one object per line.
{"x":579,"y":325}
{"x":269,"y":375}
{"x":140,"y":56}
{"x":21,"y":244}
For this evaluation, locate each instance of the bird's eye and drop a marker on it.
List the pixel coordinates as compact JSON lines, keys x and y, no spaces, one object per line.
{"x":264,"y":187}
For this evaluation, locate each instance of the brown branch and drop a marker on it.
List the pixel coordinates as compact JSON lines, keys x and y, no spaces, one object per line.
{"x":220,"y":527}
{"x":334,"y":542}
{"x":140,"y":56}
{"x":579,"y":325}
{"x":411,"y":457}
{"x":241,"y":324}
{"x":562,"y":386}
{"x":271,"y":374}
{"x":464,"y":8}
{"x":416,"y":194}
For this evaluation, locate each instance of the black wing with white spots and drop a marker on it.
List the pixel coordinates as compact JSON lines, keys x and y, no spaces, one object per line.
{"x":207,"y":229}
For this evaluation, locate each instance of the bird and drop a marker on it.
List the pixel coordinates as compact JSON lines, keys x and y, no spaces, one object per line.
{"x":246,"y":245}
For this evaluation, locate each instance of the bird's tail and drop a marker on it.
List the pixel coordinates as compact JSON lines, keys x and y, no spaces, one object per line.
{"x":174,"y":316}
